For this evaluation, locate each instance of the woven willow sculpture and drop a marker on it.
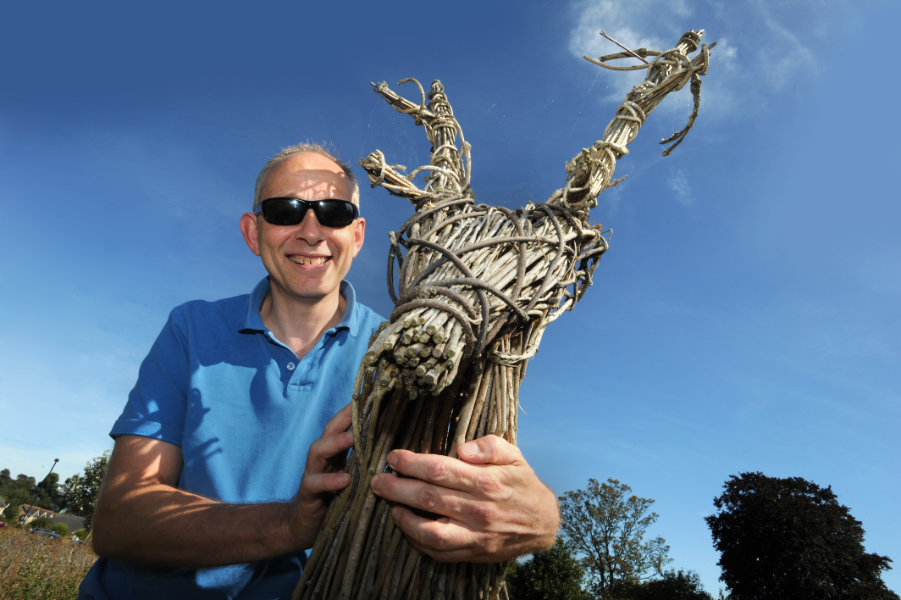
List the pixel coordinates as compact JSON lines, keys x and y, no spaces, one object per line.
{"x":476,"y":287}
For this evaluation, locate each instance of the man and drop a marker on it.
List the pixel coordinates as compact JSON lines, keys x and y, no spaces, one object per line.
{"x":219,"y":478}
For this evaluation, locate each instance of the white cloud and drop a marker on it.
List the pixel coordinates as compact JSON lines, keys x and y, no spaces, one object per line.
{"x":680,"y":186}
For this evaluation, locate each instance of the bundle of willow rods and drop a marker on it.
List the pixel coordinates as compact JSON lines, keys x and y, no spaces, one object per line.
{"x":476,"y":287}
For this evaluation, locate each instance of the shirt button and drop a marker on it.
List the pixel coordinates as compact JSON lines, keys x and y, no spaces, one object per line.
{"x":291,"y":366}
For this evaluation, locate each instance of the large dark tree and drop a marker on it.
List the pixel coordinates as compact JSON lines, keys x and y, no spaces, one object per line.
{"x":789,"y":538}
{"x":551,"y":575}
{"x":605,"y":525}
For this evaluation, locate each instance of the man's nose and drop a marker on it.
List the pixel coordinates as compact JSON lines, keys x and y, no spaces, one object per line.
{"x":309,"y":228}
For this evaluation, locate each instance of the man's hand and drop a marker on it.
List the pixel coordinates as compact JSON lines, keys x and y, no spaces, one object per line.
{"x":322,"y":477}
{"x":491,"y":506}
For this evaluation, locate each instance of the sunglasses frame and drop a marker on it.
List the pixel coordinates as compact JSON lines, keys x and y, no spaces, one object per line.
{"x":319,"y":208}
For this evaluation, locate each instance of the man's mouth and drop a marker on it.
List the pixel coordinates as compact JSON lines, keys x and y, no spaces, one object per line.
{"x":306,"y":260}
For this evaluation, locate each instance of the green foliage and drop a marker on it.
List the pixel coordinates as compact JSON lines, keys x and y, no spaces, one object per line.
{"x":606,"y":525}
{"x":16,"y":498}
{"x":672,"y":586}
{"x":24,"y":482}
{"x":551,"y":575}
{"x":40,"y":523}
{"x":789,"y":538}
{"x":60,"y":528}
{"x":35,"y":568}
{"x":47,"y":493}
{"x":82,"y":490}
{"x":24,"y":491}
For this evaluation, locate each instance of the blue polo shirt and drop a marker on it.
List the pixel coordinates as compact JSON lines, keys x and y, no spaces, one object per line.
{"x":244,"y":410}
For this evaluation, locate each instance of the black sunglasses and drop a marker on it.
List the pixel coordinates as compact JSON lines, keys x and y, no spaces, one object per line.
{"x":291,"y":211}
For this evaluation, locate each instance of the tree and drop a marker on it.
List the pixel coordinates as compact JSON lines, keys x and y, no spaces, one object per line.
{"x":47,"y":493}
{"x":605,"y":524}
{"x":5,"y":479}
{"x":15,"y":498}
{"x":24,"y":482}
{"x":17,"y":492}
{"x":789,"y":538}
{"x":672,"y":586}
{"x":82,"y":490}
{"x":551,"y":575}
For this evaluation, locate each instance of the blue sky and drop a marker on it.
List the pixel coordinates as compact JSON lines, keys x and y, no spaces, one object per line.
{"x":745,"y":318}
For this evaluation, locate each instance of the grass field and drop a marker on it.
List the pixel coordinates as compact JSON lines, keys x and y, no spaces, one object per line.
{"x":33,"y":567}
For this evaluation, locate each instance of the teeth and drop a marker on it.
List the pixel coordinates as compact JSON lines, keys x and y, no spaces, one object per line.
{"x":301,"y":260}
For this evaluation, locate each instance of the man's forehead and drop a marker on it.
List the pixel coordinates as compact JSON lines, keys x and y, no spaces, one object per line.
{"x":307,"y":172}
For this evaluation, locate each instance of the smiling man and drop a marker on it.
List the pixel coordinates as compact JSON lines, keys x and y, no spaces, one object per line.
{"x":225,"y":453}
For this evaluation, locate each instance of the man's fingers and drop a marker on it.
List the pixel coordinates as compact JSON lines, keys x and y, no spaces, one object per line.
{"x":336,"y":440}
{"x":328,"y":446}
{"x":324,"y":483}
{"x":421,"y":496}
{"x":433,"y":468}
{"x":450,"y":472}
{"x":446,"y":540}
{"x":340,"y":422}
{"x":490,"y":449}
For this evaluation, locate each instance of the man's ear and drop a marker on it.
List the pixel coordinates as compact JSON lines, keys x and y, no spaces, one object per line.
{"x":250,"y":231}
{"x":359,"y":234}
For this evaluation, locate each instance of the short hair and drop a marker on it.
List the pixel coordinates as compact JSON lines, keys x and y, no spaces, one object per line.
{"x":297,"y":149}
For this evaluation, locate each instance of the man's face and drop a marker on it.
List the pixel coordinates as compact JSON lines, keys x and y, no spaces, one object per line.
{"x":306,"y":262}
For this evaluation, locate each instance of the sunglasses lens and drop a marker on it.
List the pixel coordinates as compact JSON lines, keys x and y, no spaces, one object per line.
{"x":283,"y":211}
{"x":335,"y":213}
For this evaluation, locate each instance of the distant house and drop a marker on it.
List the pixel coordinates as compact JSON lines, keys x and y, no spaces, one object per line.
{"x":30,"y":513}
{"x":73,"y":522}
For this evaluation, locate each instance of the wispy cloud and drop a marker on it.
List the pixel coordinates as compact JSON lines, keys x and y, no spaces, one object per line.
{"x":756,"y":55}
{"x":680,"y":186}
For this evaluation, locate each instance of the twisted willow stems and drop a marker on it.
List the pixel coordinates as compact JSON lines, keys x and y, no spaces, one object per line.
{"x":476,"y":287}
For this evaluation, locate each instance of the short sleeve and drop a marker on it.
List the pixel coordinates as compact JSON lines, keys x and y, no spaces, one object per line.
{"x":156,"y":405}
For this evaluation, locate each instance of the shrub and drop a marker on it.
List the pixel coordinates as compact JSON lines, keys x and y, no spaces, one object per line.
{"x":39,"y":523}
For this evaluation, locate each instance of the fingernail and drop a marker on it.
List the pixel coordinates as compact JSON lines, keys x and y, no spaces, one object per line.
{"x":392,"y":459}
{"x":376,"y":483}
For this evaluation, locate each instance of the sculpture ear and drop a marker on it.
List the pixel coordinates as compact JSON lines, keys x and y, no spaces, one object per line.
{"x":250,"y":231}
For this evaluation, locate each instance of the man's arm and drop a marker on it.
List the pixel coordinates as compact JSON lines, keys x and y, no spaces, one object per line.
{"x":492,"y":505}
{"x":141,"y":515}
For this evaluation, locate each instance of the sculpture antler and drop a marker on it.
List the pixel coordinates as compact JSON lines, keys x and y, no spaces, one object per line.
{"x":476,"y":287}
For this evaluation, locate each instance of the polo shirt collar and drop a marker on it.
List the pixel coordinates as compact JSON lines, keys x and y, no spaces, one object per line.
{"x":253,"y":320}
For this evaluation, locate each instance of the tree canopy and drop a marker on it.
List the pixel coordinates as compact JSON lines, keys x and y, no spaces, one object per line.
{"x":551,"y":575}
{"x":82,"y":490}
{"x":789,"y":538}
{"x":606,"y":525}
{"x":672,"y":586}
